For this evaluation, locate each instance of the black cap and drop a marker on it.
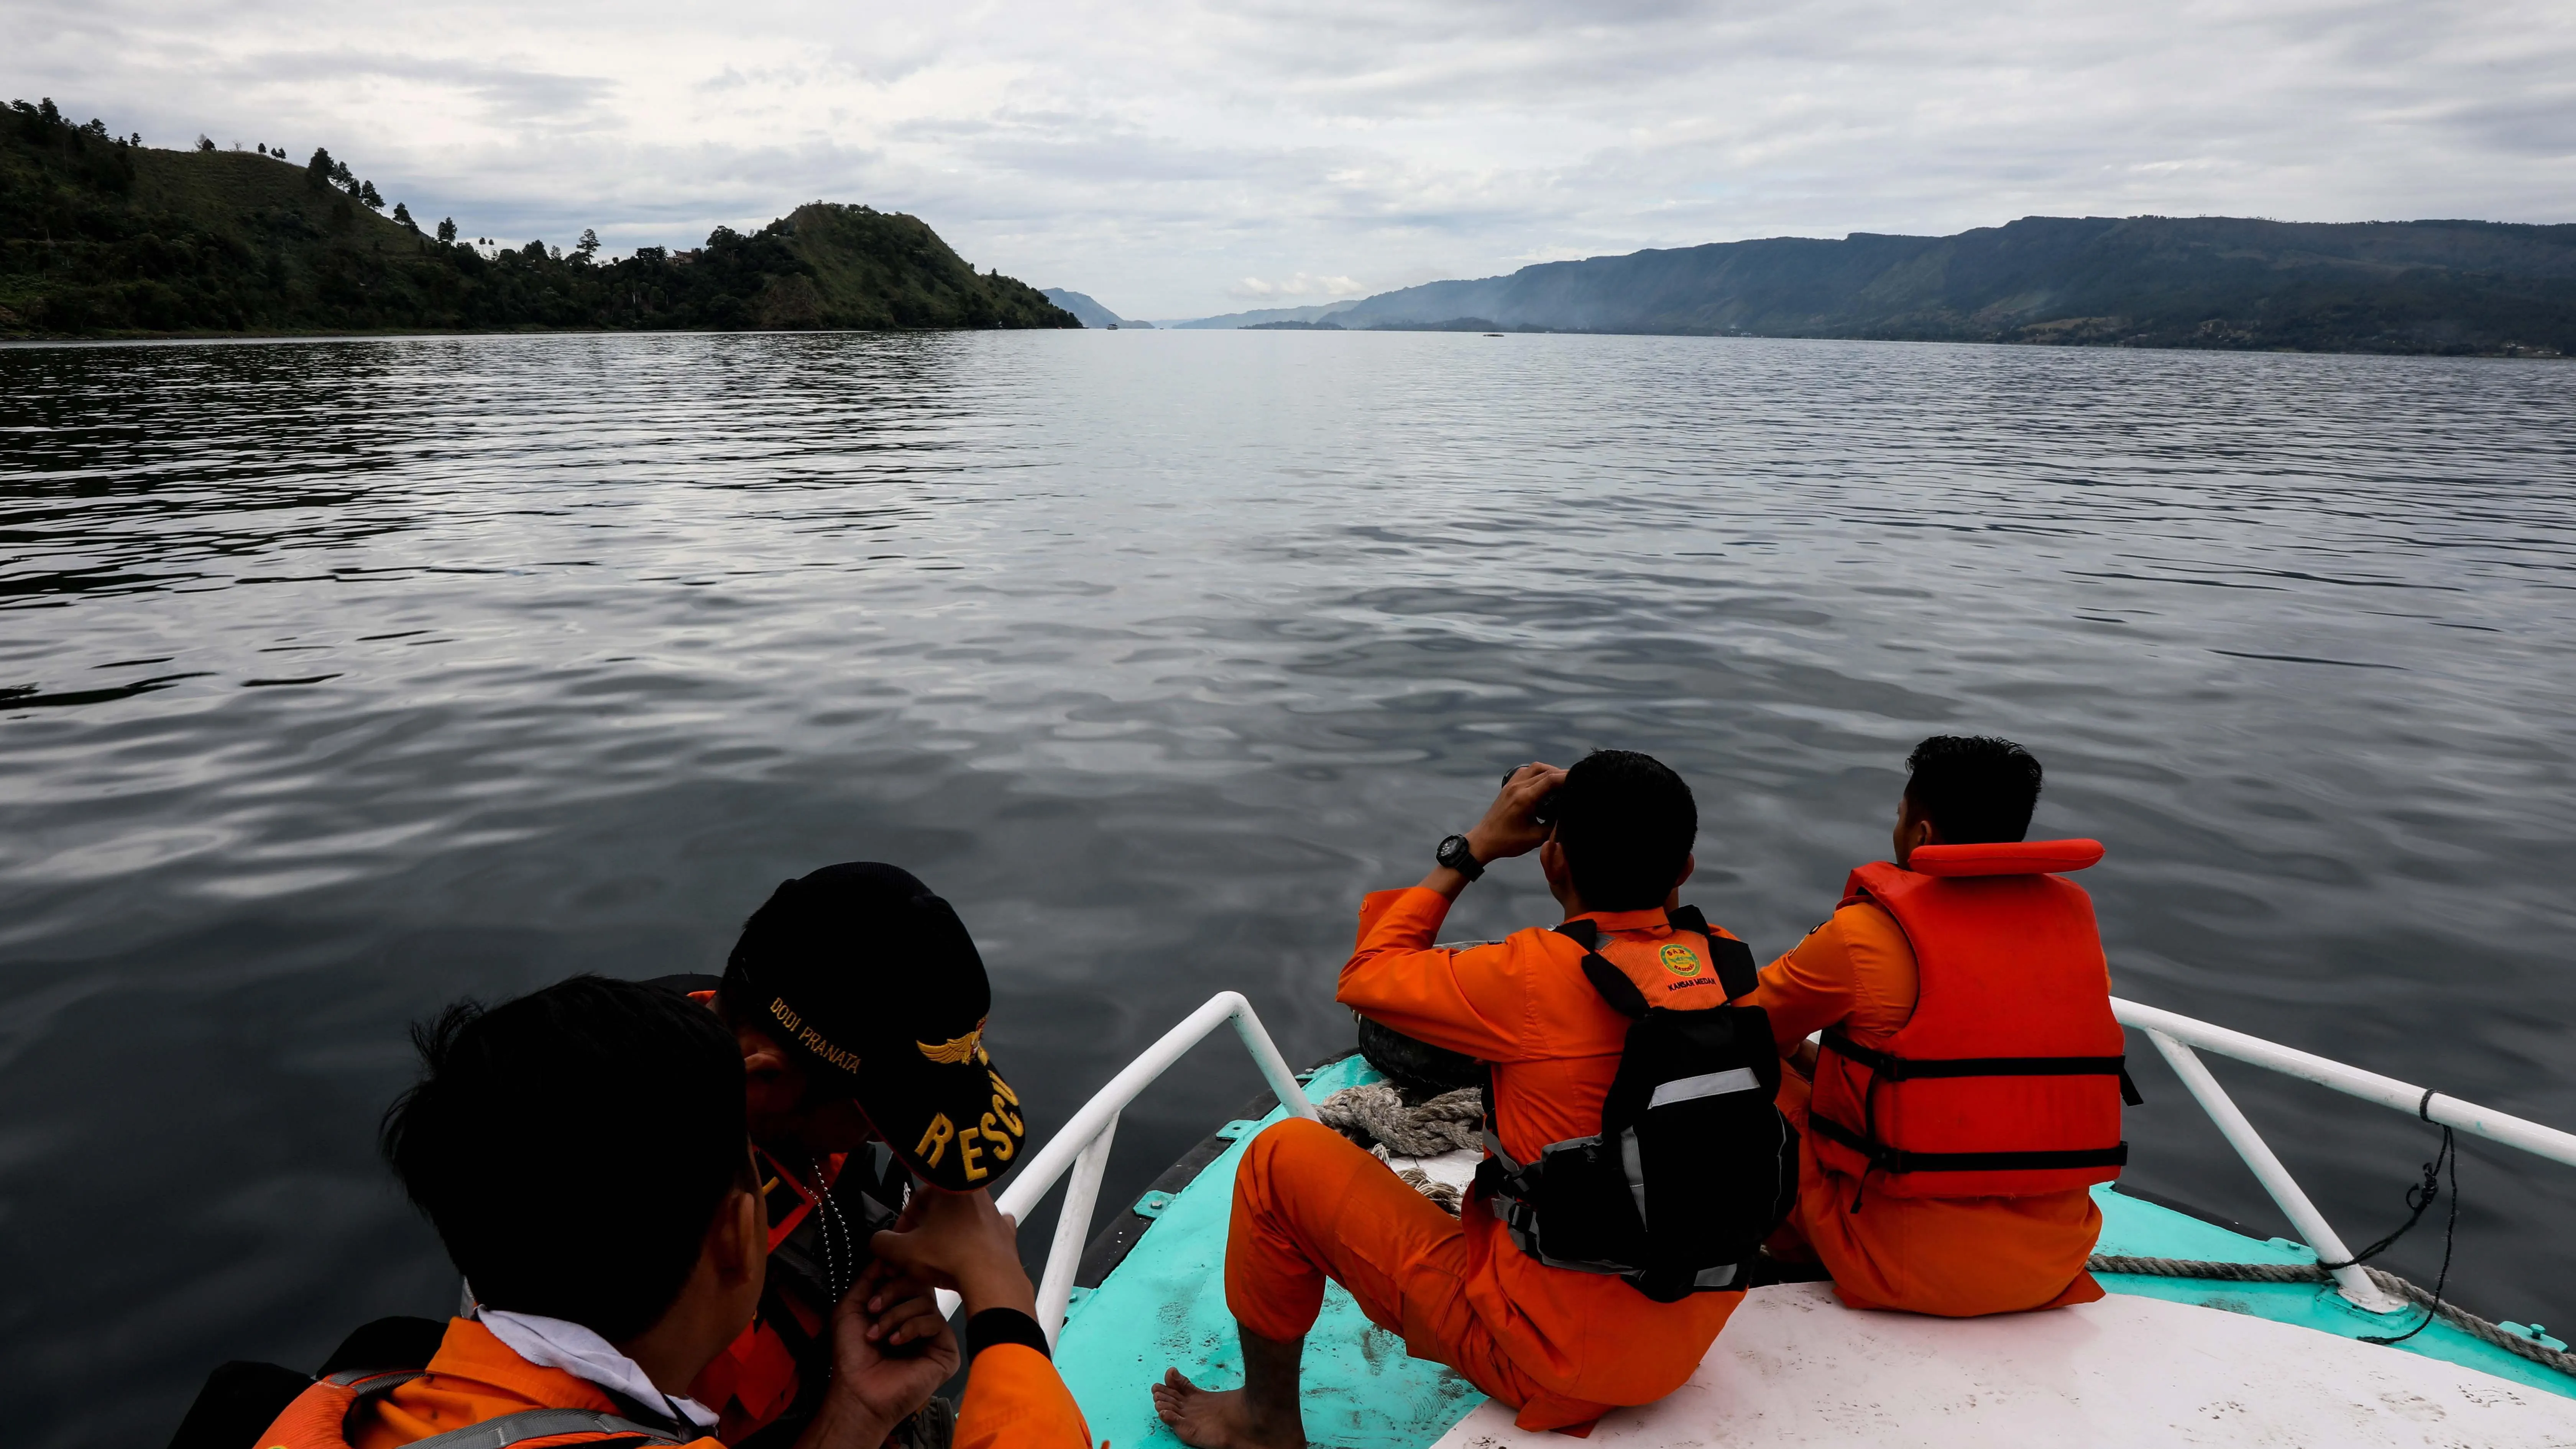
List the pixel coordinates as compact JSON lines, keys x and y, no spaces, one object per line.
{"x":874,"y":984}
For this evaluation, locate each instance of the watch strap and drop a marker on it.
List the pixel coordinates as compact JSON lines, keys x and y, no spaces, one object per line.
{"x":1455,"y":853}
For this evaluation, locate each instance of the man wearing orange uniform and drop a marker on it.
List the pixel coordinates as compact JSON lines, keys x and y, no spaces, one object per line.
{"x":1560,"y":1345}
{"x":858,"y":1001}
{"x":582,"y":1155}
{"x":1960,"y":1256}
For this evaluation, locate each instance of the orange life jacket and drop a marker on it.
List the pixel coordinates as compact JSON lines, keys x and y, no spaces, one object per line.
{"x":2007,"y":1080}
{"x":319,"y":1419}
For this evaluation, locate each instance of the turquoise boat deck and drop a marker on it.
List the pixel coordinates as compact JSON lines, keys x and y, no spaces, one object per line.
{"x":1163,"y":1306}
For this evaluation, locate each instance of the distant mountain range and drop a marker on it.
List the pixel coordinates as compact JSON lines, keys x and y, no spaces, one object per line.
{"x":102,"y":235}
{"x":1267,"y":316}
{"x":1091,"y":312}
{"x":2417,"y":286}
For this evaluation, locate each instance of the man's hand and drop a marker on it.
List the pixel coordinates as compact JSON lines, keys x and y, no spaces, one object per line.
{"x":959,"y":1240}
{"x":890,"y":1352}
{"x":1508,"y":828}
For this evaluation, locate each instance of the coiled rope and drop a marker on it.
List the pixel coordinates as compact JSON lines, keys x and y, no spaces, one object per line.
{"x":1376,"y":1115}
{"x":1377,"y":1112}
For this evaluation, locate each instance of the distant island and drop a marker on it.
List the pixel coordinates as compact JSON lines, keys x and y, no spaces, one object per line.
{"x":2450,"y":287}
{"x":101,"y":235}
{"x":1265,"y":319}
{"x":1091,"y":312}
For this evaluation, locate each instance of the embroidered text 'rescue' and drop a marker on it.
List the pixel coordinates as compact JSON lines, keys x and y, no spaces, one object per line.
{"x":997,"y":1129}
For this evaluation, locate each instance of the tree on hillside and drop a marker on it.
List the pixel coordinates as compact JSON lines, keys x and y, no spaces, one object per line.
{"x":205,"y":142}
{"x":447,"y":230}
{"x":367,"y":195}
{"x":317,"y":172}
{"x":587,"y":247}
{"x":402,"y":217}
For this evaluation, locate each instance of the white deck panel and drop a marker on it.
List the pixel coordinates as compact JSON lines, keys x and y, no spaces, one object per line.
{"x":1796,"y":1367}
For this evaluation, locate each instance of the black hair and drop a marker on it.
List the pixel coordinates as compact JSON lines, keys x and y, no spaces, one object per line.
{"x":572,"y":1146}
{"x":1626,"y":823}
{"x":1975,"y":789}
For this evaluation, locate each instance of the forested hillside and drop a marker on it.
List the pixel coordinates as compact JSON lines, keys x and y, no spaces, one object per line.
{"x":2420,"y":286}
{"x":100,"y":235}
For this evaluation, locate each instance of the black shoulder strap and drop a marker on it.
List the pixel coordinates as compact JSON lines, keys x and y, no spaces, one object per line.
{"x":370,"y":1384}
{"x":1613,"y":984}
{"x":1609,"y":980}
{"x":1732,"y":958}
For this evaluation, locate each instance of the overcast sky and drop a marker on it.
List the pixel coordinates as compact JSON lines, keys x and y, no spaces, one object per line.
{"x":1177,"y":159}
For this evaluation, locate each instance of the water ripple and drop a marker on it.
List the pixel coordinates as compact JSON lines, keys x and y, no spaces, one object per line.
{"x":340,"y":678}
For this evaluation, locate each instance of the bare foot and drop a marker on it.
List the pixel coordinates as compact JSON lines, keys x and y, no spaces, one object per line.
{"x":1215,"y":1419}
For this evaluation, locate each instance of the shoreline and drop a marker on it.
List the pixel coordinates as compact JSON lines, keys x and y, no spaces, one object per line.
{"x":110,"y":339}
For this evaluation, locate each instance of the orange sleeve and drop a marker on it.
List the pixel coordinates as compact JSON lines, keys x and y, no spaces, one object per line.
{"x":1015,"y":1398}
{"x":1811,"y":987}
{"x":1854,"y":971}
{"x":1473,"y":1001}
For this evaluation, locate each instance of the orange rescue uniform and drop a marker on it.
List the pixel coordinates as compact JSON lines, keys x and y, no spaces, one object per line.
{"x":1955,"y":1257}
{"x":1013,"y":1398}
{"x":757,"y":1379}
{"x":473,"y":1377}
{"x":1563,"y":1346}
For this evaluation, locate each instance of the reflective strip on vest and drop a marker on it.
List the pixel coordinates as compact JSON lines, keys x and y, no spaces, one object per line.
{"x":529,"y":1424}
{"x":1714,"y":1084}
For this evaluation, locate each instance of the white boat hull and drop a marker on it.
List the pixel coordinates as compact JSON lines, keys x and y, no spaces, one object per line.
{"x":1795,"y":1367}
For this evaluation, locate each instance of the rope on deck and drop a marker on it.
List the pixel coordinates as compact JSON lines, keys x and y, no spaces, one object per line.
{"x":1376,"y":1116}
{"x":2389,"y":1283}
{"x":1377,"y":1113}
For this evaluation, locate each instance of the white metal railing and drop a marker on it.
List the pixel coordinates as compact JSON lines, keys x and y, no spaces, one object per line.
{"x":1083,"y":1143}
{"x":2174,"y":1037}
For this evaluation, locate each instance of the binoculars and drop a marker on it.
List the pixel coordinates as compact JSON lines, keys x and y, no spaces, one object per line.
{"x":1545,"y":813}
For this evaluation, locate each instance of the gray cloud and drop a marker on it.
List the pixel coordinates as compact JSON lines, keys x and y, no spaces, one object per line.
{"x":1173,"y":156}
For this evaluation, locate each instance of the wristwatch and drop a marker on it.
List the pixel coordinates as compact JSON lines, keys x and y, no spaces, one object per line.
{"x":1454,"y":854}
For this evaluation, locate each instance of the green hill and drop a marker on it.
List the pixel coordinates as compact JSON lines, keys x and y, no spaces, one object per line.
{"x":101,"y":236}
{"x":2143,"y":281}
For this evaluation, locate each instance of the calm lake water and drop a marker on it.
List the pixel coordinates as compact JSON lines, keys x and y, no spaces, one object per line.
{"x":339,"y":679}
